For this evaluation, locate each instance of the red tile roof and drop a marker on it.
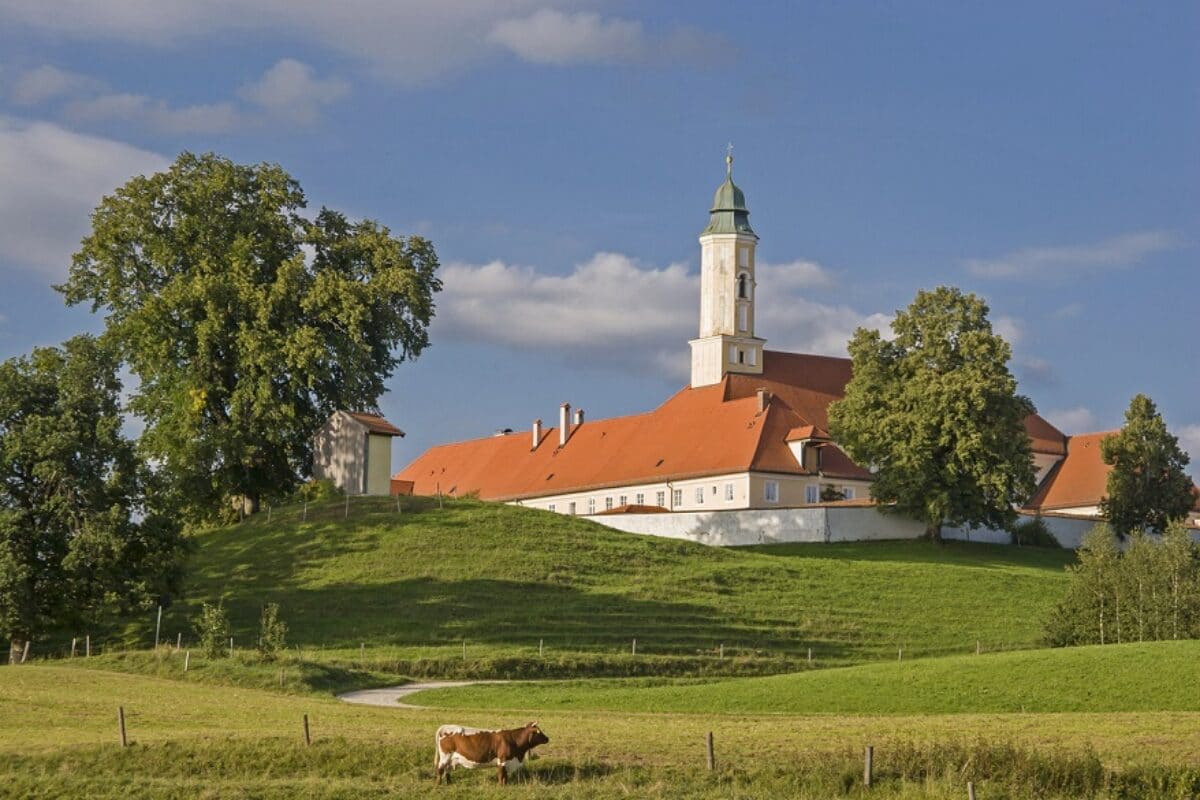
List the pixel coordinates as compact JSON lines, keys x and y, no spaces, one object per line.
{"x":711,"y":430}
{"x":376,"y":423}
{"x":1080,"y":479}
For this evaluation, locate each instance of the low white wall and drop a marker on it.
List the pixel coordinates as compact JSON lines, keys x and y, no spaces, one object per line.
{"x":815,"y":524}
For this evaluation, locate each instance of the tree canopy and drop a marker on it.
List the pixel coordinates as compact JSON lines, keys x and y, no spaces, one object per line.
{"x":934,"y":412}
{"x":246,"y":322}
{"x":1147,"y":485}
{"x":81,"y":530}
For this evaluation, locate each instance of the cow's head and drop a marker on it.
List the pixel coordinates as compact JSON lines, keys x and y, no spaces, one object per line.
{"x":535,"y":735}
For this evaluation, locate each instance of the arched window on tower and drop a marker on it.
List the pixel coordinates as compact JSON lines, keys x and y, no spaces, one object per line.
{"x":743,"y":287}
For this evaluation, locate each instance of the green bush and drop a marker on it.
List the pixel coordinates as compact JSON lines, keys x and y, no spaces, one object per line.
{"x":1032,"y":532}
{"x":212,"y":627}
{"x":272,"y":633}
{"x":315,"y":491}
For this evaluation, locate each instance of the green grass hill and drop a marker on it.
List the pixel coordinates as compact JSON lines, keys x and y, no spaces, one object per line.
{"x":1151,"y":676}
{"x":410,"y":588}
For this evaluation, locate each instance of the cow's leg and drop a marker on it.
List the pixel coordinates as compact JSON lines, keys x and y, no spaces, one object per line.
{"x":503,"y":774}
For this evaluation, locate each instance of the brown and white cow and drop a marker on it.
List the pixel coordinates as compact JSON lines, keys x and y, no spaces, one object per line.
{"x":457,"y":746}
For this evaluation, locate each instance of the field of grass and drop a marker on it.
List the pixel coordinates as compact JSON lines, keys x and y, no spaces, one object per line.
{"x":1155,"y":676}
{"x":58,"y":738}
{"x":414,"y":587}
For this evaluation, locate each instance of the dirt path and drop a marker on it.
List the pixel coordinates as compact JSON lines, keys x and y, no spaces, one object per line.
{"x":392,"y":696}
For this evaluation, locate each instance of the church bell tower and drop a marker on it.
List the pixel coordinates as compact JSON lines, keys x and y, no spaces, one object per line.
{"x":727,"y":342}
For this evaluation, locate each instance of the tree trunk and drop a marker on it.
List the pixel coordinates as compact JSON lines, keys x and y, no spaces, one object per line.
{"x":933,"y":532}
{"x":16,"y":649}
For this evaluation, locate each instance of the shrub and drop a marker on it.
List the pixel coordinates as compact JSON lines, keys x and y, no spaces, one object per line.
{"x":1033,"y":532}
{"x":272,"y":633}
{"x":213,"y":628}
{"x":315,"y":491}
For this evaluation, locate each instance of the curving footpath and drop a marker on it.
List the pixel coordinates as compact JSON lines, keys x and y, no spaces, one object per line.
{"x":391,"y":696}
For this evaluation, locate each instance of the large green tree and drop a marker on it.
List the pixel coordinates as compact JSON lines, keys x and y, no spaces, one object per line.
{"x":81,"y":534}
{"x":935,"y":413}
{"x":1147,"y":485}
{"x":247,"y":322}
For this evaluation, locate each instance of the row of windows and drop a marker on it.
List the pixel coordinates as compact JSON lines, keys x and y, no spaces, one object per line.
{"x":812,"y":494}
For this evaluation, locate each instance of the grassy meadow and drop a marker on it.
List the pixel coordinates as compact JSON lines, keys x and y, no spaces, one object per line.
{"x":58,"y":738}
{"x":404,"y":592}
{"x":1154,"y":676}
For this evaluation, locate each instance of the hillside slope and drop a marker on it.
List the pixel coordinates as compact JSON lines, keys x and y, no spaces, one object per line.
{"x":1151,"y":676}
{"x":421,"y":582}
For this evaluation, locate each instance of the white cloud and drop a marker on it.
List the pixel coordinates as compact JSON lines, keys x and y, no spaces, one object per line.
{"x":1037,"y":371}
{"x":50,"y":180}
{"x":407,"y":42}
{"x":1069,"y":311}
{"x":1072,"y":420}
{"x":1116,"y":253}
{"x":48,"y":82}
{"x":1010,"y":328}
{"x":613,"y":308}
{"x":551,"y":37}
{"x":290,"y":91}
{"x":156,"y":115}
{"x":793,"y":275}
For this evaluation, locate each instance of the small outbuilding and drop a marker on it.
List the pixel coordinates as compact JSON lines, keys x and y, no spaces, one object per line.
{"x":354,"y":451}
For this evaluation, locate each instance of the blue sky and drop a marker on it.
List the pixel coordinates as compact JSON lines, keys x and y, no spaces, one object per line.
{"x":562,"y":156}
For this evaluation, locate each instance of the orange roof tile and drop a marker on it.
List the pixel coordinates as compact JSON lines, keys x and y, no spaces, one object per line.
{"x":710,"y":430}
{"x":1080,"y":479}
{"x":376,"y":423}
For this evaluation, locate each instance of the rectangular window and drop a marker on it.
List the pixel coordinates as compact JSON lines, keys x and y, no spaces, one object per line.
{"x":624,"y":500}
{"x":571,"y":509}
{"x":743,"y":256}
{"x":550,"y":507}
{"x":700,"y":495}
{"x":639,"y":499}
{"x":812,"y":493}
{"x":771,"y":491}
{"x":677,"y":498}
{"x":729,"y":491}
{"x":743,"y":318}
{"x":608,"y":504}
{"x":660,"y":499}
{"x":848,"y":492}
{"x":591,"y":505}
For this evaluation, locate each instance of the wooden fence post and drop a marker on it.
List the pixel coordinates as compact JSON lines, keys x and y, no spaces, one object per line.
{"x":304,"y":513}
{"x":869,"y":766}
{"x":633,"y":649}
{"x":25,"y":652}
{"x":268,"y":513}
{"x":970,"y":790}
{"x":121,"y":723}
{"x":810,"y":655}
{"x":900,"y":654}
{"x":178,"y":641}
{"x":362,"y":651}
{"x":541,"y":645}
{"x":977,"y":647}
{"x":721,"y":652}
{"x":711,"y":759}
{"x":73,"y":640}
{"x":346,"y":513}
{"x":307,"y":737}
{"x":231,"y":647}
{"x":157,"y":628}
{"x":88,"y":646}
{"x":187,"y":660}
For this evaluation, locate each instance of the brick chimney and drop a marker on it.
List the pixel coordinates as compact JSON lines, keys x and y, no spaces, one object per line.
{"x":537,"y":434}
{"x":579,"y":416}
{"x":764,"y":399}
